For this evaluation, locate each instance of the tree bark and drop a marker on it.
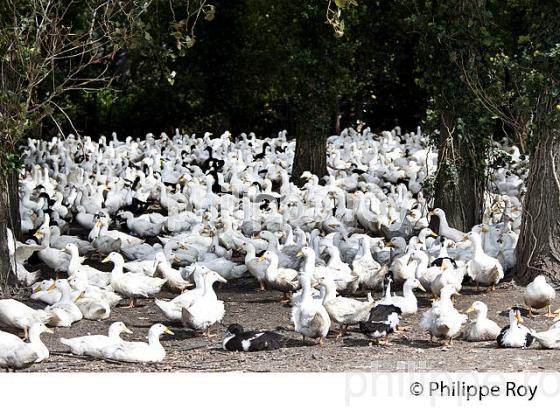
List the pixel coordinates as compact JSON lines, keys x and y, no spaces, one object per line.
{"x":7,"y":277}
{"x":311,"y":152}
{"x":538,"y":247}
{"x":459,"y":187}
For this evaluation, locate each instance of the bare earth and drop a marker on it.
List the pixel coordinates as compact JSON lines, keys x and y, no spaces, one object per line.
{"x":410,"y":350}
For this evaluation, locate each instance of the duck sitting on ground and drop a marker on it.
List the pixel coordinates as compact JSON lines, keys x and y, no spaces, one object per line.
{"x":172,"y":309}
{"x":238,"y":340}
{"x":12,"y":342}
{"x":92,"y":345}
{"x":539,"y":294}
{"x":549,"y":339}
{"x":480,"y":328}
{"x":65,"y":311}
{"x":139,"y":352}
{"x":515,"y":334}
{"x":15,"y":354}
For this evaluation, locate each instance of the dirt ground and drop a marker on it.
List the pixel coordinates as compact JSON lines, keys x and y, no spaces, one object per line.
{"x":410,"y":350}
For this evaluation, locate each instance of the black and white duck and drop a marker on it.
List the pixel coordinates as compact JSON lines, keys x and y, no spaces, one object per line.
{"x":236,"y":339}
{"x":383,"y":318}
{"x":515,"y":334}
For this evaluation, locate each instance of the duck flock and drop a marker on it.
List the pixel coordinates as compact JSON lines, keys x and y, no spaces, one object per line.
{"x":177,"y":214}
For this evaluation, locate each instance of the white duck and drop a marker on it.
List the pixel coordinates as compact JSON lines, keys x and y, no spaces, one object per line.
{"x":55,"y":259}
{"x":132,"y":285}
{"x":282,"y":279}
{"x":310,"y":317}
{"x":139,"y":352}
{"x":539,"y":294}
{"x":16,"y":354}
{"x":42,"y":293}
{"x":444,"y":229}
{"x":442,"y":320}
{"x":76,"y":268}
{"x":175,"y":281}
{"x":16,"y":314}
{"x":408,"y":302}
{"x":65,"y":311}
{"x":482,"y":269}
{"x":92,"y":345}
{"x":480,"y":328}
{"x":369,"y":271}
{"x":205,"y":310}
{"x":342,"y":310}
{"x":202,"y":276}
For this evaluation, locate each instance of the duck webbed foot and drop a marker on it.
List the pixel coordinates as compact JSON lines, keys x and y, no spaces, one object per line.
{"x":549,"y":314}
{"x":131,"y":303}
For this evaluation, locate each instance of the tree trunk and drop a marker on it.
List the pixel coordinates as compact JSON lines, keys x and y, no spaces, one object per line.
{"x":7,"y":277}
{"x":538,"y":247}
{"x":13,"y":192}
{"x":459,"y":187}
{"x":311,"y":152}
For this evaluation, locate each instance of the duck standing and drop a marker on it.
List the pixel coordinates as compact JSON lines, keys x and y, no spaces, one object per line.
{"x":539,"y":294}
{"x":310,"y":318}
{"x":383,"y":318}
{"x":442,"y":320}
{"x":132,"y":285}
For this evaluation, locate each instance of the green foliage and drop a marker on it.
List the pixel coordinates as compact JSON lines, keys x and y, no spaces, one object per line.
{"x":261,"y":64}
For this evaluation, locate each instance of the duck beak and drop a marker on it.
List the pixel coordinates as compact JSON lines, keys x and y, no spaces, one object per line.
{"x":557,"y":311}
{"x":465,"y":237}
{"x":261,"y":258}
{"x":519,"y":317}
{"x":433,"y":235}
{"x":222,"y":279}
{"x":299,"y":254}
{"x":421,"y":288}
{"x":183,"y":247}
{"x":169,"y":332}
{"x":38,"y":289}
{"x":53,"y":286}
{"x":127,"y":330}
{"x":107,"y":259}
{"x":38,"y":235}
{"x":47,"y":330}
{"x":431,"y":213}
{"x":469,"y":310}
